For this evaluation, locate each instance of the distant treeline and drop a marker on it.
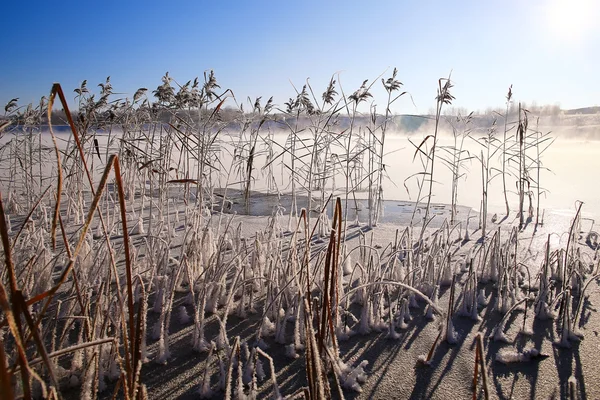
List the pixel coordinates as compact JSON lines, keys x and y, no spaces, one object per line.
{"x":231,"y":118}
{"x":234,"y":118}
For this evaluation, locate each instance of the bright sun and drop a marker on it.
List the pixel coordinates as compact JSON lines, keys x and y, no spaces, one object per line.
{"x":571,"y":20}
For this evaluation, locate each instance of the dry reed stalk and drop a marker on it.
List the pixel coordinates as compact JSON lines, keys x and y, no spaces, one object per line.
{"x":480,"y":362}
{"x":59,"y":182}
{"x":451,"y":300}
{"x":5,"y":375}
{"x":508,"y":99}
{"x":330,"y":289}
{"x":433,"y":346}
{"x":10,"y":306}
{"x":314,"y":367}
{"x":134,"y":357}
{"x":57,"y":89}
{"x":337,"y":224}
{"x":20,"y":300}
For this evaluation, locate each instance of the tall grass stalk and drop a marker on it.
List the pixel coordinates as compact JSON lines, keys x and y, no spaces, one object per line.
{"x":443,"y":97}
{"x":504,"y":149}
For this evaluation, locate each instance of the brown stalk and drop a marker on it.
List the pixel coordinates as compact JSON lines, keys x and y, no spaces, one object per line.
{"x":140,"y":329}
{"x":433,"y":346}
{"x":235,"y":350}
{"x":10,"y":267}
{"x":128,"y":271}
{"x":306,"y":393}
{"x":313,"y":358}
{"x":479,"y":362}
{"x":20,"y":300}
{"x":12,"y":313}
{"x":325,"y":309}
{"x":337,"y":223}
{"x":483,"y":370}
{"x":58,"y":163}
{"x":306,"y":262}
{"x":451,"y":301}
{"x":124,"y":383}
{"x":476,"y":371}
{"x":5,"y":375}
{"x":308,"y":362}
{"x":330,"y":290}
{"x":56,"y":89}
{"x":120,"y":382}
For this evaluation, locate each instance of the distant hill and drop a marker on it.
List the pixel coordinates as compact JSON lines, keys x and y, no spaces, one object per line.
{"x":584,"y":110}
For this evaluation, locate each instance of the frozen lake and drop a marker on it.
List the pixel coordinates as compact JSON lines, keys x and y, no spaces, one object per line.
{"x":572,"y":164}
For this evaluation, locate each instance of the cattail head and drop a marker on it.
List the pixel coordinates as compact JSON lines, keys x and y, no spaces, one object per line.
{"x":392,"y":84}
{"x":330,"y":92}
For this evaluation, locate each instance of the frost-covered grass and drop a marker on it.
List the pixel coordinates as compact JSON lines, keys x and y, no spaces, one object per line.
{"x":117,"y":254}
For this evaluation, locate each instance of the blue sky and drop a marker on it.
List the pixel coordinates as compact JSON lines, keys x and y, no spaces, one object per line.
{"x":547,"y":49}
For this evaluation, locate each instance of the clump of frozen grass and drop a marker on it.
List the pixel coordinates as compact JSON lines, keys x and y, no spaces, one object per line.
{"x":199,"y":342}
{"x":138,"y":229}
{"x":392,"y":334}
{"x":365,"y":319}
{"x":469,"y":299}
{"x":377,"y":322}
{"x":8,"y":224}
{"x":511,"y":355}
{"x":183,"y":316}
{"x":353,"y":377}
{"x":451,"y":334}
{"x":159,"y":297}
{"x":403,"y":314}
{"x":482,"y":299}
{"x":430,"y":315}
{"x":290,"y":351}
{"x":280,"y":326}
{"x":567,"y":330}
{"x":348,"y":265}
{"x":268,"y":327}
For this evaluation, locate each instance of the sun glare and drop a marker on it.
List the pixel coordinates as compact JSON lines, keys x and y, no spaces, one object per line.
{"x":571,"y":20}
